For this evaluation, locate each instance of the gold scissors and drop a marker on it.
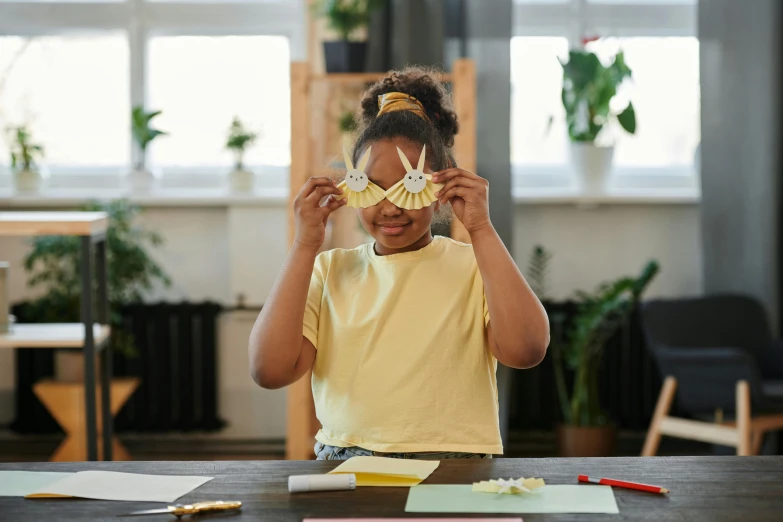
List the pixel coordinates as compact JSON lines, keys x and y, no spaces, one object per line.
{"x":199,"y":508}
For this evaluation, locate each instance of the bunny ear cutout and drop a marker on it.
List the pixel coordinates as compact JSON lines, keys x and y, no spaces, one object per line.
{"x":405,"y":162}
{"x":420,"y":166}
{"x":365,"y":159}
{"x":347,"y":159}
{"x":371,"y":195}
{"x":401,"y":197}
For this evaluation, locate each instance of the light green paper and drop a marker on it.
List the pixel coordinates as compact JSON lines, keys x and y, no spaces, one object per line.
{"x":548,"y":499}
{"x":21,"y":483}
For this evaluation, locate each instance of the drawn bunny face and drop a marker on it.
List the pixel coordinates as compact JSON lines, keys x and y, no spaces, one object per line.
{"x":356,"y":180}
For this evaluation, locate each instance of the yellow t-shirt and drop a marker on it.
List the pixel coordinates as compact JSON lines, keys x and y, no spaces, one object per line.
{"x":402,"y":362}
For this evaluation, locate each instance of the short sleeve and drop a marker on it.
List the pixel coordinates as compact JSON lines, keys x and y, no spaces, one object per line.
{"x":486,"y":310}
{"x":315,"y":294}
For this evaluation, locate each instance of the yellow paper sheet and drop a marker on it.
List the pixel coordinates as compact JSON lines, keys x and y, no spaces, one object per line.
{"x":493,"y":486}
{"x":382,"y":471}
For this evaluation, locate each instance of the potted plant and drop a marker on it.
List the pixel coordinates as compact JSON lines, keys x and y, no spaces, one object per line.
{"x":587,"y":430}
{"x":347,"y":125}
{"x":344,"y":17}
{"x":588,"y":90}
{"x":25,"y":154}
{"x":53,"y":265}
{"x":142,"y":178}
{"x":239,"y":140}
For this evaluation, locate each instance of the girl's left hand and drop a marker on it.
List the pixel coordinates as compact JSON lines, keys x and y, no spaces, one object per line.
{"x":469,"y":196}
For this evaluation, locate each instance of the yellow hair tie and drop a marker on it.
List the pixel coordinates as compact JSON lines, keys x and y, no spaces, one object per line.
{"x":398,"y":101}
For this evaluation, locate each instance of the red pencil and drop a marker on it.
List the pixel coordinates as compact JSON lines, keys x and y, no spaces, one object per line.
{"x":623,"y":484}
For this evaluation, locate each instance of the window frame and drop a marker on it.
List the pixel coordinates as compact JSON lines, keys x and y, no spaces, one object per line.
{"x":141,"y":20}
{"x":573,"y":19}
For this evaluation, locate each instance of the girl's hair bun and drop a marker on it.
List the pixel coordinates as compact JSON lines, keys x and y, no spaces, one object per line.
{"x":422,"y":84}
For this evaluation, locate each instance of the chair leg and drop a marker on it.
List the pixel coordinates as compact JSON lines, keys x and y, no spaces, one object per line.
{"x":758,"y":440}
{"x":743,"y":419}
{"x":662,"y":408}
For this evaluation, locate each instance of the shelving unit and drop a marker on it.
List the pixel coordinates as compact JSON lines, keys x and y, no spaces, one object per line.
{"x":316,"y":100}
{"x":87,"y":335}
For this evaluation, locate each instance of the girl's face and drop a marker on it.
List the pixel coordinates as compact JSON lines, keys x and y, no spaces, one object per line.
{"x":395,"y":229}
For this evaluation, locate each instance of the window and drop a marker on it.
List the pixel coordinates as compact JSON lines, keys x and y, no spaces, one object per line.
{"x":72,"y":94}
{"x":85,"y":64}
{"x":203,"y":82}
{"x":658,"y":38}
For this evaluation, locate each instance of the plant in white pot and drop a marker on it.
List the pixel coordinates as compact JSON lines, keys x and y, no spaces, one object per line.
{"x":345,"y":17}
{"x":28,"y":176}
{"x":347,"y":125}
{"x":239,"y":140}
{"x":589,"y":87}
{"x":141,"y":178}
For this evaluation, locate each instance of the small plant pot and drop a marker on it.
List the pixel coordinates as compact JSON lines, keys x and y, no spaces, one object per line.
{"x":593,"y":165}
{"x":241,"y":180}
{"x":142,"y":180}
{"x":29,"y":180}
{"x":345,"y":57}
{"x":586,"y":441}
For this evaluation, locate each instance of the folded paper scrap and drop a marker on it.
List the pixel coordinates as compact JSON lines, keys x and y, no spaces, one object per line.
{"x":508,"y":487}
{"x":382,"y":471}
{"x":112,"y":485}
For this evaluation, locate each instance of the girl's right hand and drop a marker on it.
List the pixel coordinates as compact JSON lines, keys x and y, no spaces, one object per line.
{"x":310,"y":215}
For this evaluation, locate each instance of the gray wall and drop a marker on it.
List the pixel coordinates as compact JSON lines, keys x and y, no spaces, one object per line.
{"x":741,"y":109}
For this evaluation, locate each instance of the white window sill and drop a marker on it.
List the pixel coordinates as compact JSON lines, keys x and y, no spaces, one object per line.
{"x":163,"y":197}
{"x":612,"y":196}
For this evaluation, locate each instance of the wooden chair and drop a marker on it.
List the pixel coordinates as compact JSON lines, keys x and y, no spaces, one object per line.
{"x":718,"y":351}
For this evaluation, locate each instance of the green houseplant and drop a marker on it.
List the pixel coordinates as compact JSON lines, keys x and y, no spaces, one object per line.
{"x":589,"y":87}
{"x":53,"y":265}
{"x":345,"y":17}
{"x":239,"y":140}
{"x":141,"y":178}
{"x":25,"y":155}
{"x":587,"y":430}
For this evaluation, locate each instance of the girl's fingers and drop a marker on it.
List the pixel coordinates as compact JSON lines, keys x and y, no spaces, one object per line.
{"x":458,"y":192}
{"x":314,"y":183}
{"x":320,"y":191}
{"x":460,"y":181}
{"x":445,"y":175}
{"x":333,"y":204}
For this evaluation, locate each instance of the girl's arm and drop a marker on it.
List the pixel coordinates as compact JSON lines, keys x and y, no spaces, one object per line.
{"x":519,"y":328}
{"x":279,"y":354}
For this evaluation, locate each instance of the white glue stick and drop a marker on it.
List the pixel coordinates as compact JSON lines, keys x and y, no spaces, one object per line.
{"x":304,"y":483}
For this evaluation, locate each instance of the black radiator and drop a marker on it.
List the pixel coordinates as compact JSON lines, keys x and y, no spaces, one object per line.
{"x":176,"y":362}
{"x":629,"y":381}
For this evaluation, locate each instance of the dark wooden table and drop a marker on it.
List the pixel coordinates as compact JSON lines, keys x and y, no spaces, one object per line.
{"x":702,"y":489}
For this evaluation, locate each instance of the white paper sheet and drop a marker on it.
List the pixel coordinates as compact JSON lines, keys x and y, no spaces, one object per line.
{"x":112,"y":485}
{"x":21,"y":483}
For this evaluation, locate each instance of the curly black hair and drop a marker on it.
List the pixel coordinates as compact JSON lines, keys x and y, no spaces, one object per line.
{"x":437,"y":133}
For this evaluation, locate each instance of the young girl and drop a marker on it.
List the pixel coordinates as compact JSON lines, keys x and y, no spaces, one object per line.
{"x":403,"y":335}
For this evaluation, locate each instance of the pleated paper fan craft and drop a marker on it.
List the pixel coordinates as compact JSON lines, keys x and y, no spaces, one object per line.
{"x":359,"y":191}
{"x":416,"y":190}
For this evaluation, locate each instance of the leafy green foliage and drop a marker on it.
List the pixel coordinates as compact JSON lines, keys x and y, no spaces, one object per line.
{"x":239,"y":139}
{"x":599,"y":316}
{"x":588,"y":88}
{"x":24,"y":153}
{"x":345,"y":16}
{"x":537,"y":269}
{"x":143,"y":133}
{"x":54,"y":261}
{"x":347,"y":122}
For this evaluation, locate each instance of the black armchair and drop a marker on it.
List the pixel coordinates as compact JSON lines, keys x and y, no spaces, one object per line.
{"x":720,"y":354}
